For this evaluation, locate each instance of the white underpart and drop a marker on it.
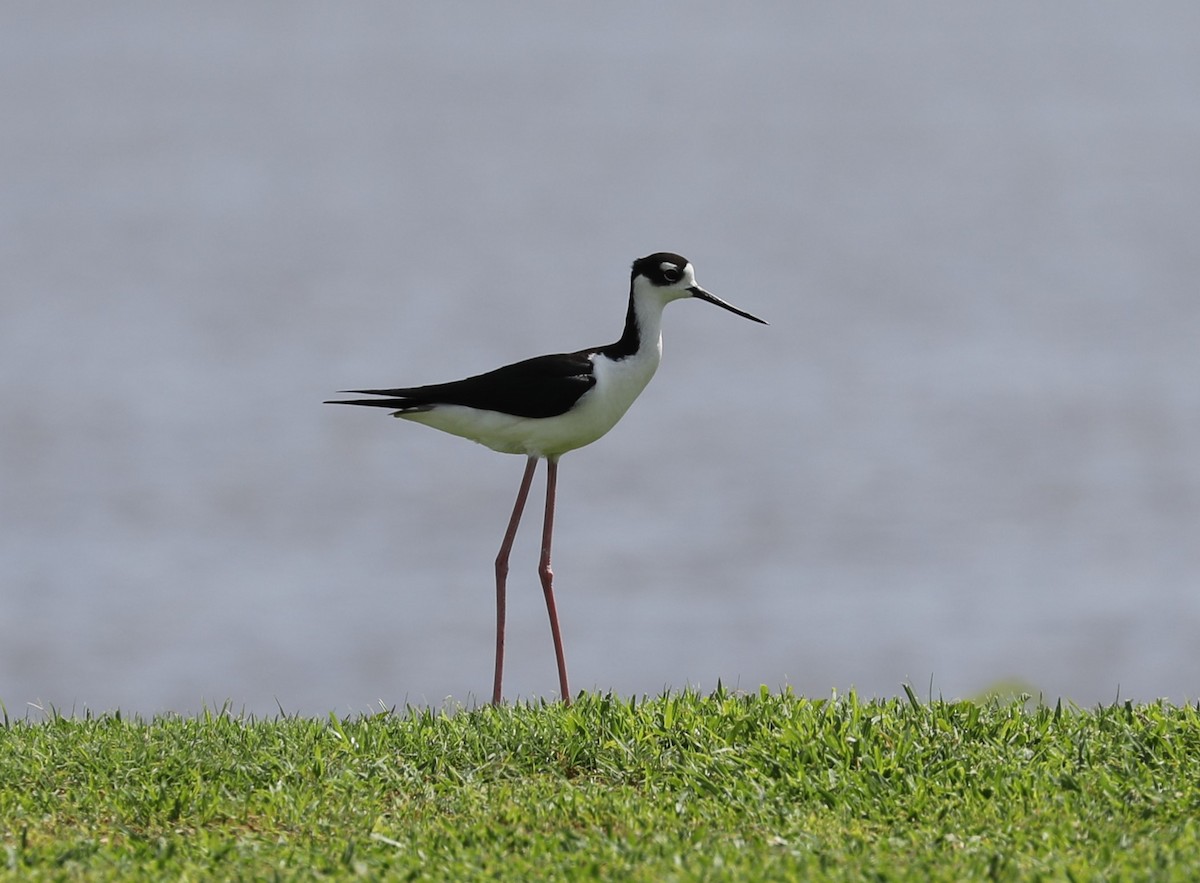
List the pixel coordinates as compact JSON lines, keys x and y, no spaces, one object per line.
{"x":618,"y":383}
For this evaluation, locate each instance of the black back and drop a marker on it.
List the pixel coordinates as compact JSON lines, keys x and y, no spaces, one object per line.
{"x":544,"y":386}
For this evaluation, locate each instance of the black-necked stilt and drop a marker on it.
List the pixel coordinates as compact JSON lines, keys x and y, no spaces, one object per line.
{"x":548,"y":405}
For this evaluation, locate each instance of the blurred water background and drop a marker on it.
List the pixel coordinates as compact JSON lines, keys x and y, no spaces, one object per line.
{"x":966,"y":452}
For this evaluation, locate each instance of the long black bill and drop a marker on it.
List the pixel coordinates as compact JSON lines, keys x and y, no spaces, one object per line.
{"x":699,"y":292}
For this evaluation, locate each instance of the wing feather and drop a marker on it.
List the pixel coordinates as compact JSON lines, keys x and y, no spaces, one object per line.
{"x":544,"y":386}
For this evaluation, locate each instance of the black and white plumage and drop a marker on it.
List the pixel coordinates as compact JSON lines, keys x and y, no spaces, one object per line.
{"x":548,"y":405}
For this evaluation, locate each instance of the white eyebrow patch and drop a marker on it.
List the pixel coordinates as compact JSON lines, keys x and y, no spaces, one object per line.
{"x":667,"y":267}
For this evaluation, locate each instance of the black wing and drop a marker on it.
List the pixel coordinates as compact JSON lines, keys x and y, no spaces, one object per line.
{"x":544,"y":386}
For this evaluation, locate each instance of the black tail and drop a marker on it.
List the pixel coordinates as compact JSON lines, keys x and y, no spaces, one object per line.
{"x":394,"y":404}
{"x":394,"y":399}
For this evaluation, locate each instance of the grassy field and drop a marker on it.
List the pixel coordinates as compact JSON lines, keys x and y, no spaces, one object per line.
{"x":679,"y":787}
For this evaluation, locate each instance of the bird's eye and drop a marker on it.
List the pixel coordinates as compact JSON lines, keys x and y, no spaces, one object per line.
{"x":671,"y":272}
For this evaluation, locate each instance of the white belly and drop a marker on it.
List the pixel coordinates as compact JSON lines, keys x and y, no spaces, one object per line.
{"x":597,"y":411}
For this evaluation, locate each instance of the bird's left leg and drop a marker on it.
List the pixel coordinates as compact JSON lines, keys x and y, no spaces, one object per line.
{"x":502,"y":572}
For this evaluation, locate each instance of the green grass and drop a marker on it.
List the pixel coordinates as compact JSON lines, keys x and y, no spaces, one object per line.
{"x":679,"y":787}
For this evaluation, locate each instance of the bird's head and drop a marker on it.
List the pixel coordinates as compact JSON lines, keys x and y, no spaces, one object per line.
{"x":668,"y":276}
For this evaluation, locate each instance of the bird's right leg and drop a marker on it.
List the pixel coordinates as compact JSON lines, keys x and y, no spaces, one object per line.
{"x":502,"y":572}
{"x":547,"y":577}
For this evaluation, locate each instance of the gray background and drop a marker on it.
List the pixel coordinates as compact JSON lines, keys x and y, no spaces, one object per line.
{"x":967,"y":448}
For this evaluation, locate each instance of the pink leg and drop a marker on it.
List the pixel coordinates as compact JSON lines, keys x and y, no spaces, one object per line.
{"x":547,"y":576}
{"x":502,"y":572}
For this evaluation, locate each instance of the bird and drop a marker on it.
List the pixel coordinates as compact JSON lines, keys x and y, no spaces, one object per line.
{"x":546,"y":406}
